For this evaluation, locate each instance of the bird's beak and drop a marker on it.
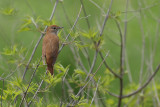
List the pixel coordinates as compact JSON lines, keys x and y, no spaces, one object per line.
{"x":61,"y":27}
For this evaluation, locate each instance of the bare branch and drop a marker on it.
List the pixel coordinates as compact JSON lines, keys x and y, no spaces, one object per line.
{"x":101,"y":32}
{"x":92,"y":66}
{"x":81,"y":90}
{"x":122,"y":57}
{"x":140,"y":88}
{"x":143,"y":49}
{"x":2,"y":92}
{"x":141,"y":9}
{"x":65,"y":13}
{"x":25,"y":93}
{"x":63,"y":79}
{"x":71,"y":28}
{"x":85,"y":14}
{"x":95,"y":92}
{"x":116,"y":75}
{"x":92,"y":76}
{"x":105,"y":20}
{"x":97,"y":6}
{"x":36,"y":92}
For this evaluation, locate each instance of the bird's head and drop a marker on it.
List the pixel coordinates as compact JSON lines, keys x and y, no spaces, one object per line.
{"x":53,"y":29}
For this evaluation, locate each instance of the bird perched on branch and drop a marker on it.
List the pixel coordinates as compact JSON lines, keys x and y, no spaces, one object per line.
{"x":50,"y":47}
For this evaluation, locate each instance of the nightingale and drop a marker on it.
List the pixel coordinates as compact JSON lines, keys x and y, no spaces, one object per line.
{"x":50,"y":47}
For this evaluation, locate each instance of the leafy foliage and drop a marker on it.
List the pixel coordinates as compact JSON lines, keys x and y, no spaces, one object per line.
{"x":8,"y":11}
{"x":70,"y":74}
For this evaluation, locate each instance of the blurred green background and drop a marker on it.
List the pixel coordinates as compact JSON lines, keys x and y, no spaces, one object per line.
{"x":143,"y":22}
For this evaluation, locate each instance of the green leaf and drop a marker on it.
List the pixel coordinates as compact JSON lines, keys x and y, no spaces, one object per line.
{"x":110,"y":102}
{"x":90,"y":34}
{"x":24,"y":29}
{"x":74,"y":97}
{"x":8,"y":11}
{"x":9,"y":52}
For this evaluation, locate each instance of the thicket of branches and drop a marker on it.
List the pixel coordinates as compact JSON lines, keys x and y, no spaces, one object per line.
{"x":88,"y":85}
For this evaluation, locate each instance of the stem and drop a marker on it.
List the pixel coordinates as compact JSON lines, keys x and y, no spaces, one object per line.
{"x":122,"y":58}
{"x":25,"y":93}
{"x":2,"y":92}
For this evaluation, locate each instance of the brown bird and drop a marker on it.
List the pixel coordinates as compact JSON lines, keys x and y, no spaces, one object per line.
{"x":50,"y":47}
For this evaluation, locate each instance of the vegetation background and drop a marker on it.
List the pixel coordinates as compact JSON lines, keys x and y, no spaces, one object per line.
{"x":139,"y":22}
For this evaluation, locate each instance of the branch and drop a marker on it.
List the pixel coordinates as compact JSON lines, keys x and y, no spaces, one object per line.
{"x":92,"y":66}
{"x":80,"y":91}
{"x":36,"y":92}
{"x":71,"y":28}
{"x":85,"y":14}
{"x":25,"y":93}
{"x":142,"y":51}
{"x":139,"y":89}
{"x":69,"y":22}
{"x":2,"y":92}
{"x":97,"y":6}
{"x":63,"y":79}
{"x":92,"y":76}
{"x":116,"y":75}
{"x":122,"y":57}
{"x":101,"y":32}
{"x":147,"y":82}
{"x":33,"y":52}
{"x":104,"y":23}
{"x":95,"y":92}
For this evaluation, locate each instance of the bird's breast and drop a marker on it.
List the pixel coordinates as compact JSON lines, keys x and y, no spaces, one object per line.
{"x":51,"y":43}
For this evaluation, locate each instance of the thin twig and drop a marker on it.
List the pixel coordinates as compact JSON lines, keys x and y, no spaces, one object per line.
{"x":101,"y":32}
{"x":2,"y":92}
{"x":97,"y":6}
{"x":122,"y":57}
{"x":63,"y":79}
{"x":33,"y":52}
{"x":80,"y":91}
{"x":71,"y":28}
{"x":121,"y":35}
{"x":145,"y":8}
{"x":105,"y":20}
{"x":36,"y":92}
{"x":140,"y":88}
{"x":143,"y":46}
{"x":142,"y":52}
{"x":25,"y":93}
{"x":128,"y":68}
{"x":152,"y":60}
{"x":65,"y":13}
{"x":95,"y":92}
{"x":116,"y":75}
{"x":85,"y":14}
{"x":69,"y":22}
{"x":88,"y":24}
{"x":92,"y":66}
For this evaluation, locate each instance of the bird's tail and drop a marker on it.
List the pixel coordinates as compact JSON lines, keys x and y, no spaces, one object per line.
{"x":50,"y":68}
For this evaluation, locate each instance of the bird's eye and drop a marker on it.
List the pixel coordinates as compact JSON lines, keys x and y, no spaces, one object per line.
{"x":54,"y":28}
